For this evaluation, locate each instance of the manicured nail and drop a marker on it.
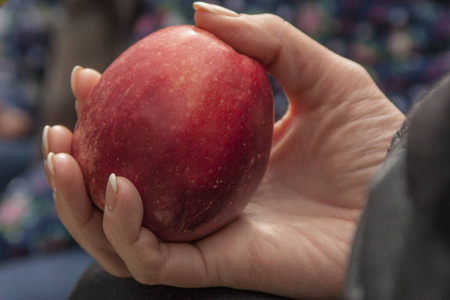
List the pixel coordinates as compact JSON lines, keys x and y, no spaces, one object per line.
{"x":76,"y":70}
{"x":111,"y":192}
{"x":214,"y":9}
{"x":45,"y":140}
{"x":51,"y":170}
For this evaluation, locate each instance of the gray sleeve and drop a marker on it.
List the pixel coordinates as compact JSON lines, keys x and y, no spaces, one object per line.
{"x":402,"y":246}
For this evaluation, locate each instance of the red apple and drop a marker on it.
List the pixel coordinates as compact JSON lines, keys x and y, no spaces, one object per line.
{"x":189,"y":121}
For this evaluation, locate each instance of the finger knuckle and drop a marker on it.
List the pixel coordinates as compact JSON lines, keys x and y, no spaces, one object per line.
{"x":150,"y":274}
{"x":272,"y":20}
{"x":146,"y":277}
{"x":359,"y":71}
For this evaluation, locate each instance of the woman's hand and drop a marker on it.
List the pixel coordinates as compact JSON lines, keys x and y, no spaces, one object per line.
{"x":294,"y":237}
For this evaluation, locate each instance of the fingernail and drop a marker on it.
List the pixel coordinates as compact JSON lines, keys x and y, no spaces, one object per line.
{"x":215,"y":9}
{"x":51,"y":170}
{"x":45,"y":140}
{"x":111,"y":192}
{"x":76,"y":70}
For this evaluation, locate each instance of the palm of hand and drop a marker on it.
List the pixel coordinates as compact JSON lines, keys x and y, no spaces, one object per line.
{"x":301,"y":220}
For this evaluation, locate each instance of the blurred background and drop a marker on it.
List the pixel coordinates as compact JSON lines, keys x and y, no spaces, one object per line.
{"x":403,"y":44}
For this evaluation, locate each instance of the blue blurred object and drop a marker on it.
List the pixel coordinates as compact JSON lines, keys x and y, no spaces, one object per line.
{"x":46,"y":277}
{"x":15,"y":157}
{"x":25,"y":27}
{"x":29,"y":224}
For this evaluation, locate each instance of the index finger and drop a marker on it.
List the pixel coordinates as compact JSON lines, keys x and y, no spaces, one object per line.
{"x":80,"y":217}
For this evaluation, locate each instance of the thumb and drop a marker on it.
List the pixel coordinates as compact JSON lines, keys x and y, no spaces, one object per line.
{"x":299,"y":63}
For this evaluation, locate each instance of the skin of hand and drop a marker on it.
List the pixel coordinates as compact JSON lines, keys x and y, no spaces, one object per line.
{"x":294,"y":237}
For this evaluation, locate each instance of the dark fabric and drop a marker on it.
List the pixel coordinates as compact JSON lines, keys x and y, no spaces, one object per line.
{"x":96,"y":284}
{"x":425,"y":265}
{"x":378,"y":242}
{"x":402,"y":246}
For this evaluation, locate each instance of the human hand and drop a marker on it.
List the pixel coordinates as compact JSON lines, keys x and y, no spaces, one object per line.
{"x":294,"y":237}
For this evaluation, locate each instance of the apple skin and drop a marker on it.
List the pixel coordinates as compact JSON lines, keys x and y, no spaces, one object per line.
{"x":188,"y":121}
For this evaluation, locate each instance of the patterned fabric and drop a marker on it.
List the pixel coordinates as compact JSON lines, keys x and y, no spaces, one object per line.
{"x":24,"y":37}
{"x":28,"y":220}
